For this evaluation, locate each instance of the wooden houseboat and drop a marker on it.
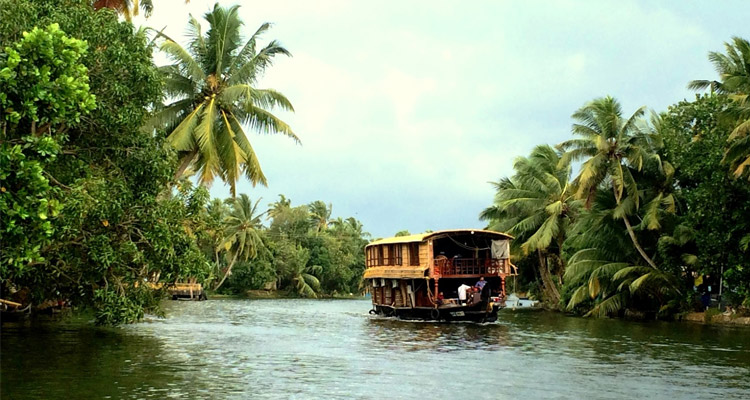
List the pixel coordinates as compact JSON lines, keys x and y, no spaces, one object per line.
{"x":422,"y":276}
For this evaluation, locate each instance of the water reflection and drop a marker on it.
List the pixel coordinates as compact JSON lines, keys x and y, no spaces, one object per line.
{"x":333,"y":349}
{"x":60,"y":360}
{"x":428,"y":336}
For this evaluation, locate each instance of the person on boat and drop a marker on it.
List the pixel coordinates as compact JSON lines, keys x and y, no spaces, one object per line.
{"x":462,"y":293}
{"x":480,"y":283}
{"x":440,"y":299}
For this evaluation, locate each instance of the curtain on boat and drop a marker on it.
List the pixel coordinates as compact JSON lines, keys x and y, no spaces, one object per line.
{"x":500,"y":249}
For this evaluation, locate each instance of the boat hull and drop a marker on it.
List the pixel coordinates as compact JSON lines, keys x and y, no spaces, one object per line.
{"x":475,"y":313}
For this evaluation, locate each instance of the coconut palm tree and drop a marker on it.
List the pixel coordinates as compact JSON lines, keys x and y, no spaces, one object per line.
{"x":291,"y":261}
{"x":212,"y":98}
{"x":734,"y":81}
{"x":320,"y":215}
{"x":243,"y":227}
{"x":611,"y":146}
{"x":536,"y":205}
{"x":604,"y":270}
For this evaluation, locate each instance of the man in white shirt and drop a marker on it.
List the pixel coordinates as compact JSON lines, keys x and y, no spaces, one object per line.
{"x":462,"y":293}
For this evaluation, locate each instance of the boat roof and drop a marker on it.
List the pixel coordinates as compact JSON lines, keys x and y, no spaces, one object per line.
{"x":421,"y":237}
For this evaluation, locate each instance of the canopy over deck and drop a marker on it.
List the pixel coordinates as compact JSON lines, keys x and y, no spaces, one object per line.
{"x":421,"y":237}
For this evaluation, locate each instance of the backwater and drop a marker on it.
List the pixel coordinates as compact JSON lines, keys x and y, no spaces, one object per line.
{"x":327,"y":349}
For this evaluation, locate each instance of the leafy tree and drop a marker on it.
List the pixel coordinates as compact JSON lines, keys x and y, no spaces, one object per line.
{"x":115,"y":227}
{"x":695,"y":135}
{"x":44,"y":86}
{"x":128,"y":8}
{"x":291,"y":223}
{"x":402,"y":233}
{"x":44,"y":83}
{"x":212,"y":95}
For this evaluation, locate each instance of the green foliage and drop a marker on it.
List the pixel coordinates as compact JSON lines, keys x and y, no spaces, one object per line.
{"x":212,"y":94}
{"x":43,"y":80}
{"x":117,"y":224}
{"x":695,"y":135}
{"x":537,"y":206}
{"x":27,"y":204}
{"x":302,"y":256}
{"x":734,"y":75}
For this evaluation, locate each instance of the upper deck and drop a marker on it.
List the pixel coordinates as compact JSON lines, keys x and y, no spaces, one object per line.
{"x":460,"y":253}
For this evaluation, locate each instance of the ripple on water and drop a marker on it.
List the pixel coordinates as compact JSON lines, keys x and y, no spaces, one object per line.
{"x":334,"y":349}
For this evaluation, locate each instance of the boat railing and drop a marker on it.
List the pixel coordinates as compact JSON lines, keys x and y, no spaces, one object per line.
{"x":472,"y":266}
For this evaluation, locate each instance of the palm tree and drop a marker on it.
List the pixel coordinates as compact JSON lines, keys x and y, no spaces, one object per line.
{"x":734,"y":74}
{"x":611,"y":146}
{"x":320,"y":215}
{"x":536,"y":205}
{"x":243,"y":238}
{"x":278,"y":207}
{"x":291,"y":264}
{"x":212,"y":94}
{"x":604,"y":268}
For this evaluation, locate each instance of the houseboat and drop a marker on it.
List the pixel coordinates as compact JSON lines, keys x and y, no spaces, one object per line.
{"x":450,"y":275}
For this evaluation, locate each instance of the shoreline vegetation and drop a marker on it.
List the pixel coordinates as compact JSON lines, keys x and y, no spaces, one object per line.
{"x":105,"y":160}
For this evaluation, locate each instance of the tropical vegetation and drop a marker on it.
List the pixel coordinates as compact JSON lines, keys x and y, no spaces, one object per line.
{"x":97,"y":146}
{"x":642,"y":226}
{"x":211,"y":95}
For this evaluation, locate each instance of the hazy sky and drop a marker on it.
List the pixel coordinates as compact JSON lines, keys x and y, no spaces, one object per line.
{"x":407,"y":109}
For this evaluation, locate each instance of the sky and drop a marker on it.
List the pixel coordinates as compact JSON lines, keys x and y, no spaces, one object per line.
{"x":408,"y":109}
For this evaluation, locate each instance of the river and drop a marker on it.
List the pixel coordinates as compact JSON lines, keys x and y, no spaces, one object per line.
{"x":332,"y":349}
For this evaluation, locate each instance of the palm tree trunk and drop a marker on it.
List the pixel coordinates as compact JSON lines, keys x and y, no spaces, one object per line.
{"x":632,"y":236}
{"x":228,"y":271}
{"x":550,"y":289}
{"x":184,"y":163}
{"x":637,"y":245}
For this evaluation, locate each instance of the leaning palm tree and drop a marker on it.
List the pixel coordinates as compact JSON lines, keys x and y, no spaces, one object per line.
{"x":604,"y":275}
{"x":734,"y":81}
{"x":536,"y":205}
{"x":243,"y":232}
{"x":213,"y":98}
{"x":611,"y":146}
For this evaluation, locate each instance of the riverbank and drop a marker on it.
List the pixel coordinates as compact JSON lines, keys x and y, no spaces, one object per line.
{"x":715,"y":318}
{"x":285,"y":294}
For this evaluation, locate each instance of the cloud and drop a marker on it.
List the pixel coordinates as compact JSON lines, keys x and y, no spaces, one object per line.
{"x":407,"y":109}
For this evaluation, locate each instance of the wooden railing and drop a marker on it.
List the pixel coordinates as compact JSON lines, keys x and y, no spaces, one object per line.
{"x":472,"y":266}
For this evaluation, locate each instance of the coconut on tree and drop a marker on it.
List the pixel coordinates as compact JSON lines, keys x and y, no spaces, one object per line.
{"x":212,"y":98}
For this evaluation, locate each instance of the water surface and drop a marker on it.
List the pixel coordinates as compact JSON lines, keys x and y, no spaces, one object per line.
{"x":334,"y":349}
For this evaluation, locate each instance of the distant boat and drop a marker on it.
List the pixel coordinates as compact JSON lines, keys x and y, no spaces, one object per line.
{"x":407,"y":274}
{"x":514,"y":302}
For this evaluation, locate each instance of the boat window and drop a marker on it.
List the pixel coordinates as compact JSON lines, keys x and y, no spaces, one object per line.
{"x":413,"y":253}
{"x":381,"y":256}
{"x":394,"y":254}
